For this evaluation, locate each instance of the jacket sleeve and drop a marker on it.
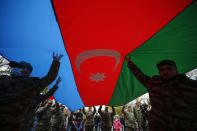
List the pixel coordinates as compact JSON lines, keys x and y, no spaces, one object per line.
{"x":113,"y":111}
{"x":99,"y":110}
{"x":94,"y":109}
{"x":49,"y":93}
{"x":83,"y":110}
{"x":142,"y":78}
{"x":50,"y":77}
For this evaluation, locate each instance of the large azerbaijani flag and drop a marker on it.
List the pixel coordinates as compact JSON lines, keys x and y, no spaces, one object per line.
{"x":95,"y":36}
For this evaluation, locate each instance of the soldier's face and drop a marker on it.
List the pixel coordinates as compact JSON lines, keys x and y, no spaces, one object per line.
{"x":167,"y":72}
{"x":129,"y":108}
{"x":137,"y":104}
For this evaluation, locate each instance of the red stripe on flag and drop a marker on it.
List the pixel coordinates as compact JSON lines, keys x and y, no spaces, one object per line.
{"x":96,"y":32}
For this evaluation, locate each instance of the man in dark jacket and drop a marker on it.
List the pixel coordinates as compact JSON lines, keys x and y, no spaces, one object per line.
{"x":173,"y":97}
{"x":97,"y":122}
{"x":18,"y":91}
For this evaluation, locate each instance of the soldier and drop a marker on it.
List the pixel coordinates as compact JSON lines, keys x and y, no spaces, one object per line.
{"x":138,"y":116}
{"x":18,"y":91}
{"x":107,"y":118}
{"x":145,"y":113}
{"x":130,"y":121}
{"x":172,"y":96}
{"x":59,"y":118}
{"x":29,"y":117}
{"x":44,"y":115}
{"x":89,"y":124}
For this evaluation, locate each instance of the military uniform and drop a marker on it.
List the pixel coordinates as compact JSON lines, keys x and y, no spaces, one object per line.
{"x":130,"y":121}
{"x":89,"y":124}
{"x":107,"y":120}
{"x":58,"y":120}
{"x":173,"y":101}
{"x":44,"y":115}
{"x":17,"y":94}
{"x":139,"y":117}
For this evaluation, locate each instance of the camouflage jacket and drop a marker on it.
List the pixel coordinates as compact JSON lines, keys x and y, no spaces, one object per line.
{"x":173,"y":101}
{"x":138,"y":116}
{"x":44,"y":115}
{"x":129,"y":118}
{"x":58,"y":118}
{"x":17,"y":94}
{"x":89,"y":117}
{"x":107,"y":117}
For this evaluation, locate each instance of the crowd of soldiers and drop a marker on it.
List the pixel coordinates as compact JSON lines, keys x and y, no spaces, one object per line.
{"x":52,"y":116}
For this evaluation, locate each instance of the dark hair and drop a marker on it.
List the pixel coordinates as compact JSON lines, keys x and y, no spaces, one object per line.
{"x":166,"y":62}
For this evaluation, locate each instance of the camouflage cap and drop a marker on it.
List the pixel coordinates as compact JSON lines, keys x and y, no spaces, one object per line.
{"x":20,"y":64}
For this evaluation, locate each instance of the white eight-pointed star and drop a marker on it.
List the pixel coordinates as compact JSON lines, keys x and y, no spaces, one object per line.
{"x":97,"y":77}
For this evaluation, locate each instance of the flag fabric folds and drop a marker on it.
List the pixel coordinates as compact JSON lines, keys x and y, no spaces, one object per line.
{"x":98,"y":34}
{"x":94,"y":37}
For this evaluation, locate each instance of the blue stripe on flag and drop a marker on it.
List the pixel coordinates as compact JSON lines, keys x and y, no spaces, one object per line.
{"x":29,"y":31}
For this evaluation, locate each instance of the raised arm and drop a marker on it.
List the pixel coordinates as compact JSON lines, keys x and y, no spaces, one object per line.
{"x":51,"y":91}
{"x":99,"y":110}
{"x":94,"y":110}
{"x":52,"y":74}
{"x":42,"y":109}
{"x":83,"y":110}
{"x":113,"y":111}
{"x":142,"y":78}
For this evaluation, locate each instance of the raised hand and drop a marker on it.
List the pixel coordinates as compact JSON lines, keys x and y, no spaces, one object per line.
{"x":57,"y":57}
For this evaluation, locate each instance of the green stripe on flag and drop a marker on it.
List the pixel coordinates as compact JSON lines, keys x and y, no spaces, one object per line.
{"x":176,"y":41}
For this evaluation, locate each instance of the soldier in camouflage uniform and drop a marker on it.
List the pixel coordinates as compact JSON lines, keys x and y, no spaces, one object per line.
{"x":173,"y":97}
{"x":44,"y":115}
{"x":107,"y":118}
{"x":27,"y":123}
{"x":138,"y":116}
{"x":89,"y":124}
{"x":59,"y":119}
{"x":130,"y":121}
{"x":18,"y":90}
